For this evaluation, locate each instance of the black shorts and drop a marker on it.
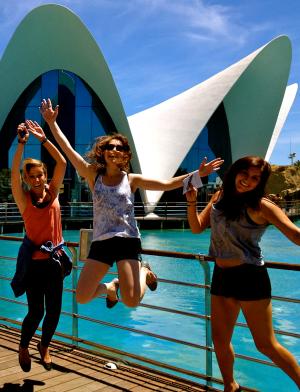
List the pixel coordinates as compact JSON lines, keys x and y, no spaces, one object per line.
{"x":245,"y":282}
{"x":116,"y":249}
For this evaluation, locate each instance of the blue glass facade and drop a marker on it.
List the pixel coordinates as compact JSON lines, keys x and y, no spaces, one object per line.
{"x":191,"y":162}
{"x":82,"y":117}
{"x":198,"y":151}
{"x":213,"y":141}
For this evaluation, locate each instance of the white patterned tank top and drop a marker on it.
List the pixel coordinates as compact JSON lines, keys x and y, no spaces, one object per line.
{"x":114,"y":210}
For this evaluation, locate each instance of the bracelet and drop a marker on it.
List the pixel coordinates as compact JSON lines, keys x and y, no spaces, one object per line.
{"x":191,"y":203}
{"x":44,"y":140}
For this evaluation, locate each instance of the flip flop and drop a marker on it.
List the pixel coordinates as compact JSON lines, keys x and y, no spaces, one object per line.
{"x":153,"y":285}
{"x":109,"y":302}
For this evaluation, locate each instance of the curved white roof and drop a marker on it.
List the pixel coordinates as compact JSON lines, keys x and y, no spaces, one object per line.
{"x":68,"y":45}
{"x":252,"y":92}
{"x":288,"y":100}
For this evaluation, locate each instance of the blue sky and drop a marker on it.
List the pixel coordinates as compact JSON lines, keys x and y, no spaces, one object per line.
{"x":156,"y":49}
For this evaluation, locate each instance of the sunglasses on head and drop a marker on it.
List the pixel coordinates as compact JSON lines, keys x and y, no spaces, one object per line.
{"x":118,"y":147}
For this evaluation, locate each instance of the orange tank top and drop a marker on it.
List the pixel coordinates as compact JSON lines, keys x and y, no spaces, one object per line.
{"x":43,"y":224}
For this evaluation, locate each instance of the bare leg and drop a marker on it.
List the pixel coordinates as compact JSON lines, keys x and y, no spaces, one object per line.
{"x":129,"y":278}
{"x":259,"y":319}
{"x":224,"y":313}
{"x":45,"y":354}
{"x":88,"y":284}
{"x":132,"y":280}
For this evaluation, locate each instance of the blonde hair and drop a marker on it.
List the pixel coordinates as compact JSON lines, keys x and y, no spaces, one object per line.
{"x":29,"y":163}
{"x":96,"y":155}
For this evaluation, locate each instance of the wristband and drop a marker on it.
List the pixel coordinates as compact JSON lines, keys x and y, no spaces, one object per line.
{"x":44,"y":140}
{"x":193,"y":179}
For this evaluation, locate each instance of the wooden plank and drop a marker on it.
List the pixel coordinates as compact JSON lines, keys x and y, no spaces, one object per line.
{"x":77,"y":371}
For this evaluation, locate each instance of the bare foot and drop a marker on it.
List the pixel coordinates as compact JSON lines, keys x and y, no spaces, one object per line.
{"x":112,"y":293}
{"x":45,"y":356}
{"x":151,"y":278}
{"x":233,"y":387}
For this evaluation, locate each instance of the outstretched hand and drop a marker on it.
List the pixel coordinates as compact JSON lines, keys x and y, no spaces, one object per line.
{"x":49,"y":114}
{"x":35,"y":129}
{"x":206,"y":168}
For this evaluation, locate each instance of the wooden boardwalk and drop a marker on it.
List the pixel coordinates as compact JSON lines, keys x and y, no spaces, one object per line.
{"x":78,"y":370}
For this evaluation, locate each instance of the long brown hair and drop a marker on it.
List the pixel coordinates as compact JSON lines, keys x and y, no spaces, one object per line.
{"x":96,"y":155}
{"x":232,"y":203}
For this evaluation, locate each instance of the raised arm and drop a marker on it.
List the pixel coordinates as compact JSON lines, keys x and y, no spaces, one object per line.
{"x":83,"y":167}
{"x":274,"y":215}
{"x":139,"y":181}
{"x":60,"y":167}
{"x":16,"y":181}
{"x":198,"y":221}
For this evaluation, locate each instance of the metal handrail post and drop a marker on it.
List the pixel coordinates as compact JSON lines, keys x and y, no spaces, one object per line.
{"x":74,"y":302}
{"x":207,"y":297}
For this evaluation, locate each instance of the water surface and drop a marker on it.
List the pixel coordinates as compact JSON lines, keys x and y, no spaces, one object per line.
{"x":286,"y":316}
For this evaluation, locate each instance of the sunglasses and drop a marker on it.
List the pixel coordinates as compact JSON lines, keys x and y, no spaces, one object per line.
{"x":118,"y":147}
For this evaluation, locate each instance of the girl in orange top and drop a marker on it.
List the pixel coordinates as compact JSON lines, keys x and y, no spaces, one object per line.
{"x":39,"y":207}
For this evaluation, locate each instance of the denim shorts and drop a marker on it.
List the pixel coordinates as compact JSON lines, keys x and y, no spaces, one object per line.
{"x":245,"y":282}
{"x":115,"y":249}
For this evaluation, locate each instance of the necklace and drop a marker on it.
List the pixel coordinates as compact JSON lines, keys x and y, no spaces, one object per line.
{"x":42,"y":201}
{"x":112,"y":180}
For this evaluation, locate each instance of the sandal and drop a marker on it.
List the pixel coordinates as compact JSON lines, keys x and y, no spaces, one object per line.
{"x":110,"y":303}
{"x":152,"y":285}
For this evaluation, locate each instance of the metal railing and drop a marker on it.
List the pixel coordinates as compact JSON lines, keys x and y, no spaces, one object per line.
{"x":205,"y":264}
{"x":9,"y":212}
{"x":166,"y":210}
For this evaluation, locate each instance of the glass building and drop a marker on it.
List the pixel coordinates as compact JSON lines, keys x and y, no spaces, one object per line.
{"x":232,"y":114}
{"x":212,"y":142}
{"x":82,"y":117}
